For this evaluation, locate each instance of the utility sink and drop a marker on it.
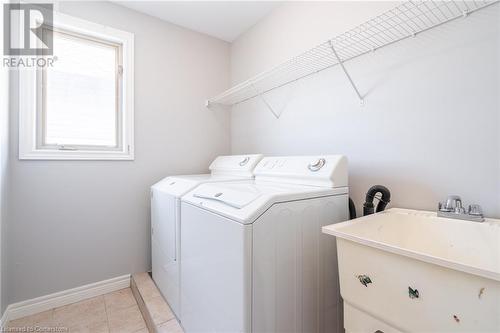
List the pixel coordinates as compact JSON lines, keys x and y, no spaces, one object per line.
{"x":411,"y":271}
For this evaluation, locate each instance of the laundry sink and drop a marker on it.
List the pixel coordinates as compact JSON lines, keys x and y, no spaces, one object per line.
{"x":411,"y":271}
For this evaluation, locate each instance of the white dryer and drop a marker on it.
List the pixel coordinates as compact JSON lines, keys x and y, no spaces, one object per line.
{"x":165,"y":218}
{"x":253,"y":255}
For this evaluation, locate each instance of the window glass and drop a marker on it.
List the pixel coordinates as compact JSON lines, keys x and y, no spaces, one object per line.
{"x":80,"y":93}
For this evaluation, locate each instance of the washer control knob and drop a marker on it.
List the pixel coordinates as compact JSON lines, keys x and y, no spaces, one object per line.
{"x":244,"y":161}
{"x":317,"y":165}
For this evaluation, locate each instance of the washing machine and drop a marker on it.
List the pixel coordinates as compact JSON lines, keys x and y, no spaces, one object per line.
{"x":253,"y":255}
{"x":166,"y":215}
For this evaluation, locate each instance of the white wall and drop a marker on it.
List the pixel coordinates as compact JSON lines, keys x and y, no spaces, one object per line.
{"x":75,"y":222}
{"x":431,"y":124}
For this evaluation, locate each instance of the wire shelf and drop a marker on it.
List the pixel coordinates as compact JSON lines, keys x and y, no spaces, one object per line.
{"x":401,"y":22}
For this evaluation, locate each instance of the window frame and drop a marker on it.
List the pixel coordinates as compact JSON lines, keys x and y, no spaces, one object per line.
{"x":30,"y":110}
{"x":42,"y":91}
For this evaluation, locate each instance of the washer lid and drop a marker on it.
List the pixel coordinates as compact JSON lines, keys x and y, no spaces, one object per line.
{"x":231,"y":196}
{"x":245,"y":201}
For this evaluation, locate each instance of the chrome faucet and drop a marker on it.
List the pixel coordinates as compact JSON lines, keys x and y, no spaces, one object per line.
{"x":454,"y":209}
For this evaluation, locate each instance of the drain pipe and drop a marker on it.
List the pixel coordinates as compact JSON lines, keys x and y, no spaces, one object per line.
{"x":384,"y":199}
{"x":352,"y":210}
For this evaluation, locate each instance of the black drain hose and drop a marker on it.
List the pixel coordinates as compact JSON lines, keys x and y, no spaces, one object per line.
{"x":352,"y":210}
{"x":384,"y":199}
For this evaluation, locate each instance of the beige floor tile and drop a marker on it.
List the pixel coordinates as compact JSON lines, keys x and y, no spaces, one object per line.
{"x":146,"y":286}
{"x":119,"y":300}
{"x":126,"y":320}
{"x":140,"y":277}
{"x":159,"y":310}
{"x":171,"y":326}
{"x":114,"y":312}
{"x":42,"y":319}
{"x":93,"y":326}
{"x":144,"y":330}
{"x":85,"y":313}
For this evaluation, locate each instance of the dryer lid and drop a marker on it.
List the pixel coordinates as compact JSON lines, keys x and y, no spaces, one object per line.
{"x":235,"y":165}
{"x":180,"y":185}
{"x":320,"y":170}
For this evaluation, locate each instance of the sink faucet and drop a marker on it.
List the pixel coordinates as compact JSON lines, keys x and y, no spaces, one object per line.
{"x":453,"y":208}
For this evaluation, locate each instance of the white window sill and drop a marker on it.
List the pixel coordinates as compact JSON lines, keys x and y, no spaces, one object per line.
{"x":76,"y":155}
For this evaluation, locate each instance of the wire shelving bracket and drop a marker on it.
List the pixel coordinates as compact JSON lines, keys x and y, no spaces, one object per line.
{"x":341,"y":63}
{"x":403,"y":21}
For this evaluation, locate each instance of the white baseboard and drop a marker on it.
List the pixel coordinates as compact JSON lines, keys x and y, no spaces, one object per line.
{"x":44,"y":303}
{"x":3,"y":320}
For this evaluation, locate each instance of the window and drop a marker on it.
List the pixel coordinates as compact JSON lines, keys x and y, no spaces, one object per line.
{"x":79,"y":99}
{"x":81,"y":107}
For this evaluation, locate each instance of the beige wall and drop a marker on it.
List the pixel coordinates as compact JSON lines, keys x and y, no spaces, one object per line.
{"x":75,"y":222}
{"x":4,"y":130}
{"x":430,"y":127}
{"x":431,"y":124}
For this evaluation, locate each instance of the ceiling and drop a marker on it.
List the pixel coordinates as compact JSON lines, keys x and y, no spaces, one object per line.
{"x":225,"y":20}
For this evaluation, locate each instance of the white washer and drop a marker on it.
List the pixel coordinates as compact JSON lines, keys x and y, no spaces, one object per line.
{"x":253,"y":255}
{"x":165,"y":218}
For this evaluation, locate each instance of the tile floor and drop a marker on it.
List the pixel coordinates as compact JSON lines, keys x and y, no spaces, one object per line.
{"x":155,"y":309}
{"x":114,"y":312}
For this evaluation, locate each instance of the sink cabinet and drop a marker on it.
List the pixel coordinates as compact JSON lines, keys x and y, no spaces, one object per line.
{"x":393,"y":284}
